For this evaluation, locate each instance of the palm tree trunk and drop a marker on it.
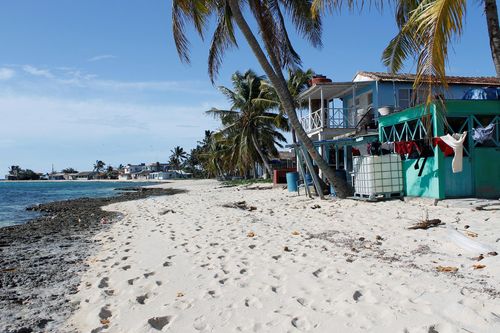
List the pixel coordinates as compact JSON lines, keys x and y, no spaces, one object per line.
{"x":491,"y":11}
{"x":263,"y":157}
{"x":277,"y":79}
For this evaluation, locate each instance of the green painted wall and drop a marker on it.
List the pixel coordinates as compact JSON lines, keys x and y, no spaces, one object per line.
{"x":487,"y":172}
{"x":425,"y":186}
{"x":458,"y":184}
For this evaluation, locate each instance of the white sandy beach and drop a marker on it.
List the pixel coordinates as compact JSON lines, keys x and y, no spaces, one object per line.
{"x":187,"y":264}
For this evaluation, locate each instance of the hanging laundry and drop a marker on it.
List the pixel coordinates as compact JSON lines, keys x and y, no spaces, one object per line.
{"x":387,"y":148}
{"x":483,"y":134}
{"x":447,"y":150}
{"x":456,"y":142}
{"x":404,"y":147}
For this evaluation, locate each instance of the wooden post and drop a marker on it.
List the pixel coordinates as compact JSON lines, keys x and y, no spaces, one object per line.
{"x":314,"y":176}
{"x":322,"y":114}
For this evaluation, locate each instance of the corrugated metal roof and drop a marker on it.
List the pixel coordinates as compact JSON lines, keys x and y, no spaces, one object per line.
{"x":479,"y":80}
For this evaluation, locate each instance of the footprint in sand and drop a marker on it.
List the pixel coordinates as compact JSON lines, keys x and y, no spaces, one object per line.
{"x":126,"y":267}
{"x":159,"y":322}
{"x":142,"y":299}
{"x":301,"y":323}
{"x":103,"y":283}
{"x":200,"y":323}
{"x":105,"y":313}
{"x":146,"y":275}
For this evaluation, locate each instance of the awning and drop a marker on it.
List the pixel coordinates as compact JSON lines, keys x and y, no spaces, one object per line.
{"x":332,"y":90}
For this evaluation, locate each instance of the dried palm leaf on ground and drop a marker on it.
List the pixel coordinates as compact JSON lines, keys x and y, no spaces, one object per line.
{"x":447,"y":269}
{"x":426,"y":224}
{"x":478,"y":266}
{"x":240,"y":205}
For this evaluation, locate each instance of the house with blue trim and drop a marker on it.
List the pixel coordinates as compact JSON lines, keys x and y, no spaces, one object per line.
{"x":384,"y":107}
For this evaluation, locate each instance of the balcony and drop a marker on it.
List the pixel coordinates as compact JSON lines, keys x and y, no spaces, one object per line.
{"x":332,"y":118}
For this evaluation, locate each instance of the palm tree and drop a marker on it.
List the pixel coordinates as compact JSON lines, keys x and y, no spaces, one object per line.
{"x":298,"y":81}
{"x":277,"y":52}
{"x":248,"y":125}
{"x":178,"y":155}
{"x":99,"y":166}
{"x":426,"y":28}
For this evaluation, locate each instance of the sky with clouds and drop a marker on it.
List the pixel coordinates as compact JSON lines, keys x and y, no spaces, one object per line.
{"x":86,"y":80}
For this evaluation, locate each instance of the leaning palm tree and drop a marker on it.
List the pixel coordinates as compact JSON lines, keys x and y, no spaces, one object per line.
{"x":249,"y":126}
{"x":274,"y":53}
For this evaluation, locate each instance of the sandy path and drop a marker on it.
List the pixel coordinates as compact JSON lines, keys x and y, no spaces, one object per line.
{"x":186,"y":264}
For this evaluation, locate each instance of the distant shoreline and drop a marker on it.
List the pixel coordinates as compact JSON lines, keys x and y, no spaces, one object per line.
{"x":87,"y":180}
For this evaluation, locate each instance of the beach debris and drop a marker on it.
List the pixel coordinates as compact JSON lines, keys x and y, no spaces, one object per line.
{"x":180,"y":294}
{"x":251,"y":234}
{"x":426,"y":224}
{"x":287,"y":249}
{"x":295,"y":233}
{"x":466,"y":226}
{"x":478,"y":258}
{"x":379,"y":238}
{"x":471,"y":234}
{"x":478,"y":266}
{"x":466,"y":243}
{"x":492,"y":253}
{"x":159,"y":322}
{"x":240,"y":205}
{"x":9,"y":270}
{"x":166,"y":211}
{"x":357,"y":295}
{"x":105,"y":321}
{"x":447,"y":269}
{"x":316,"y":206}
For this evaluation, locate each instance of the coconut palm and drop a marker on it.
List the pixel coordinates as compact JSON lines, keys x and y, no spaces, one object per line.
{"x":99,"y":166}
{"x":275,"y":54}
{"x":426,"y":30}
{"x":177,"y":157}
{"x":250,"y":127}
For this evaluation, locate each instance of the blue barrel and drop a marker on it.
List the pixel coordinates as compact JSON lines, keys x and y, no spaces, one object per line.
{"x":309,"y":179}
{"x":291,"y":181}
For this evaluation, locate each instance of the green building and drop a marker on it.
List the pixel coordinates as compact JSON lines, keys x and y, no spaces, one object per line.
{"x":480,"y":176}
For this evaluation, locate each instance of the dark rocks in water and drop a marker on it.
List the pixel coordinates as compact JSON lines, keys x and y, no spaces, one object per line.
{"x":41,"y":261}
{"x":159,"y":322}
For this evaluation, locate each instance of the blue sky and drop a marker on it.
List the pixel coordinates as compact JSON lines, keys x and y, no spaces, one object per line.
{"x":91,"y":79}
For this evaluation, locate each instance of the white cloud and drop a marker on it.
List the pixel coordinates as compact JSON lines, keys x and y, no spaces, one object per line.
{"x":101,"y":57}
{"x":38,"y":72}
{"x":6,"y":73}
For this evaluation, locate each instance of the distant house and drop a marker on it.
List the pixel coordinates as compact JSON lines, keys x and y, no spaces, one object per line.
{"x":142,"y":175}
{"x":84,"y":175}
{"x":157,"y":167}
{"x":134,"y":168}
{"x":124,"y":176}
{"x":57,"y":176}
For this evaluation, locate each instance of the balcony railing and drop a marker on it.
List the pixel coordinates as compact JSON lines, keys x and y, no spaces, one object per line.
{"x":332,"y":118}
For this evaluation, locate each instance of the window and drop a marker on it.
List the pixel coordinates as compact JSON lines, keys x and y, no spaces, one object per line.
{"x":370,"y":98}
{"x":408,"y":98}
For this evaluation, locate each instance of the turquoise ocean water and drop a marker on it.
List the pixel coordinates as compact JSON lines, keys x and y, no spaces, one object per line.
{"x":16,"y":196}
